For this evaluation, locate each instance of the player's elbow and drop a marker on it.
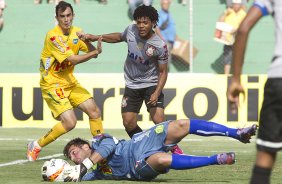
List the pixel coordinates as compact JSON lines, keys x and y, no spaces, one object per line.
{"x":73,"y":59}
{"x":244,"y":28}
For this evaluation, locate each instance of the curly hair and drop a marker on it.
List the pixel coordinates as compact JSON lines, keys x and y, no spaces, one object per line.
{"x":78,"y":142}
{"x":146,"y":11}
{"x":63,"y":6}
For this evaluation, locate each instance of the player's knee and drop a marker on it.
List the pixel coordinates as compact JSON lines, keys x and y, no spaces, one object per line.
{"x":183,"y":124}
{"x":94,"y":113}
{"x":163,"y":162}
{"x":69,"y":125}
{"x":129,"y":125}
{"x":158,"y":119}
{"x":129,"y":121}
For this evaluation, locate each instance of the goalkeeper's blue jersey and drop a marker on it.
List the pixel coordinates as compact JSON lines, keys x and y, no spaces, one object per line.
{"x":122,"y":157}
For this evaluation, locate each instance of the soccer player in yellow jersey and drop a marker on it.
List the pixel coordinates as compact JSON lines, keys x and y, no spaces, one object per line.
{"x":59,"y":87}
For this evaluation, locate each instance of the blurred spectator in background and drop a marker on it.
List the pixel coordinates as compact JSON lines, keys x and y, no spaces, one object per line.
{"x":75,"y":1}
{"x":232,"y":17}
{"x":183,"y":2}
{"x":54,"y":1}
{"x":133,"y":4}
{"x":40,"y":1}
{"x":2,"y":7}
{"x":166,"y":28}
{"x":103,"y":1}
{"x":244,"y":4}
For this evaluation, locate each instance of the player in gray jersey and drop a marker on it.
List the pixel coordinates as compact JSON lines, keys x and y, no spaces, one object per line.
{"x":269,"y":140}
{"x":145,"y":68}
{"x":146,"y":155}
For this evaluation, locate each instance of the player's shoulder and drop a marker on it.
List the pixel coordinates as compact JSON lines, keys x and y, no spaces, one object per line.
{"x":157,"y":41}
{"x":76,"y":29}
{"x":53,"y":32}
{"x":132,"y":27}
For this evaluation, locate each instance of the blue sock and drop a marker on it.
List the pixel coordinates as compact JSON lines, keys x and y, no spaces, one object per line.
{"x":181,"y":162}
{"x":207,"y":128}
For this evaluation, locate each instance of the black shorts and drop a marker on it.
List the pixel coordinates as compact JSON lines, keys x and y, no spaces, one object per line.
{"x":270,"y":125}
{"x":133,"y":98}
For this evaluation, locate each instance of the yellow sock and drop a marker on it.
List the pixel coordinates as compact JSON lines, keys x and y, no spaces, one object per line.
{"x":52,"y":135}
{"x":96,"y":126}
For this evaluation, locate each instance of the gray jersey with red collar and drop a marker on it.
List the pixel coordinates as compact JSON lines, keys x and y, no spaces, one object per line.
{"x":141,"y":68}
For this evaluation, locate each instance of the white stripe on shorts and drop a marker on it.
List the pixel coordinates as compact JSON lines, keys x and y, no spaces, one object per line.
{"x":269,"y":144}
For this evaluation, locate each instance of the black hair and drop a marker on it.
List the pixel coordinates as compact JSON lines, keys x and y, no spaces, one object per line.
{"x":78,"y":142}
{"x":146,"y":11}
{"x":63,"y":6}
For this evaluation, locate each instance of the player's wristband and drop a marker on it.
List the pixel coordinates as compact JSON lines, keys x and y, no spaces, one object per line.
{"x":88,"y":163}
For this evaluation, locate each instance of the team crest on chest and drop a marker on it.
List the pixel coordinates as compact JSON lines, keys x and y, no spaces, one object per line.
{"x":75,"y":41}
{"x":150,"y":50}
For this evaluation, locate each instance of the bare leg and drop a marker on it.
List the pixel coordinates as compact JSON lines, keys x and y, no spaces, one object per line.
{"x":177,"y":130}
{"x":227,"y":69}
{"x":265,"y":159}
{"x":160,"y":161}
{"x":157,"y":115}
{"x":90,"y":108}
{"x":129,"y":120}
{"x":130,"y":123}
{"x":94,"y":114}
{"x":262,"y":169}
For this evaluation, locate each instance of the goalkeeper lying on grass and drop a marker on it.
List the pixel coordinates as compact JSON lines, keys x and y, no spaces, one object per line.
{"x":145,"y":156}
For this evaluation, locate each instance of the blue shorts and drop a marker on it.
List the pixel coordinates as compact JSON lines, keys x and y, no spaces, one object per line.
{"x":145,"y":144}
{"x":146,"y":172}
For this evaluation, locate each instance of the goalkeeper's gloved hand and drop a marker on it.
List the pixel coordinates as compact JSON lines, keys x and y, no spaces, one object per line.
{"x":79,"y":171}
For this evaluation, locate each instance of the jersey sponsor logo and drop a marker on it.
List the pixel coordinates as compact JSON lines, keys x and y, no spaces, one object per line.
{"x":60,"y":93}
{"x":53,"y":39}
{"x":137,"y":58}
{"x":75,"y":41}
{"x":64,"y":43}
{"x":150,"y":51}
{"x":62,"y":66}
{"x":141,"y":136}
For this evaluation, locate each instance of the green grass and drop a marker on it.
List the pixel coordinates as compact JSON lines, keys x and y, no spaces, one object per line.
{"x":13,"y":147}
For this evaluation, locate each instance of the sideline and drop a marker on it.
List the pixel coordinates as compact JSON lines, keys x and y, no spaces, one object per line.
{"x":24,"y":161}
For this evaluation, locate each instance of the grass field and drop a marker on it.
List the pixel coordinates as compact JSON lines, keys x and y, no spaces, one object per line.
{"x":15,"y":169}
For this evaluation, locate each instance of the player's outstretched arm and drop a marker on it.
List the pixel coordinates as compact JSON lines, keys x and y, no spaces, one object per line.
{"x":235,"y":88}
{"x":109,"y":38}
{"x":77,"y":59}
